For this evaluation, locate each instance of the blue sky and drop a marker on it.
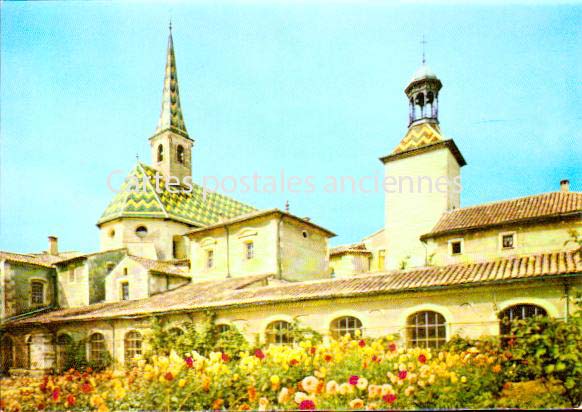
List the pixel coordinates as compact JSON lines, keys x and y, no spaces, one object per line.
{"x":311,"y":88}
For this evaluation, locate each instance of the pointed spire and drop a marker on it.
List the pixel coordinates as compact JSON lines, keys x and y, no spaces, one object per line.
{"x":171,"y":115}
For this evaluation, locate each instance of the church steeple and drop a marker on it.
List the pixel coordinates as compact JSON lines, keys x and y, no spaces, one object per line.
{"x":171,"y":146}
{"x":171,"y":116}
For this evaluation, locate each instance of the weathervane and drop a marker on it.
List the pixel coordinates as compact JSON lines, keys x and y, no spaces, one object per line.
{"x":423,"y":42}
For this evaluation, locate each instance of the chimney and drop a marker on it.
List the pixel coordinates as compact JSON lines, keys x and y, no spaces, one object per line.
{"x":53,"y":248}
{"x":565,"y":186}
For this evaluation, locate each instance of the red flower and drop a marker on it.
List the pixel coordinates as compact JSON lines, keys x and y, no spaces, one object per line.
{"x":375,"y":359}
{"x":362,"y":343}
{"x":422,"y":358}
{"x":168,"y":376}
{"x":189,"y":361}
{"x":392,"y":347}
{"x":328,"y":358}
{"x":354,"y":379}
{"x":69,"y":378}
{"x":307,"y":405}
{"x":402,"y":374}
{"x":41,"y":406}
{"x":56,"y":394}
{"x":71,"y":400}
{"x":389,"y":398}
{"x":259,"y":354}
{"x":294,"y":362}
{"x":312,"y":350}
{"x":225,"y":357}
{"x":86,"y":387}
{"x":89,"y":370}
{"x":42,"y":387}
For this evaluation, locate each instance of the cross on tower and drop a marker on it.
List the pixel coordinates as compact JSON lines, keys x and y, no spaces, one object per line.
{"x":423,"y":42}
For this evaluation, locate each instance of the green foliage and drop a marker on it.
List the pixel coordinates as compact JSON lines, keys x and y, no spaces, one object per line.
{"x":76,"y":358}
{"x":300,"y":333}
{"x":550,"y":350}
{"x":404,"y":263}
{"x":203,"y":338}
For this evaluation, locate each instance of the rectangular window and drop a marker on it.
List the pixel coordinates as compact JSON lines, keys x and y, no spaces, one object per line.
{"x":250,"y":250}
{"x":209,"y":258}
{"x":456,"y":247}
{"x":37,"y":293}
{"x":381,"y":259}
{"x":125,"y":291}
{"x":508,"y":241}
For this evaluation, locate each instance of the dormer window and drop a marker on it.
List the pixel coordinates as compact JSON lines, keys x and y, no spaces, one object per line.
{"x":455,"y":247}
{"x":125,"y":291}
{"x":160,"y":153}
{"x":180,"y":154}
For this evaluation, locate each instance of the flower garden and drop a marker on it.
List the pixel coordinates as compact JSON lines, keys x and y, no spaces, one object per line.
{"x":540,"y":367}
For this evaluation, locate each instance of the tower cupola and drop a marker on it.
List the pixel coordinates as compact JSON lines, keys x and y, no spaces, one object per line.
{"x":423,"y":94}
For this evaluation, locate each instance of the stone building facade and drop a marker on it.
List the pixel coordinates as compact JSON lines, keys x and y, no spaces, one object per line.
{"x":174,"y":251}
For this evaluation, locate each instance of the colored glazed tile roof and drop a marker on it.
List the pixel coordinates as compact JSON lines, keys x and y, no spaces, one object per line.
{"x":196,"y":208}
{"x":356,"y":248}
{"x":420,"y":138}
{"x":531,"y":208}
{"x":250,"y":291}
{"x":171,"y":116}
{"x":161,"y":266}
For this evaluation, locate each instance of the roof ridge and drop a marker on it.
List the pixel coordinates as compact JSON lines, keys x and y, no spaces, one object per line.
{"x":496,"y":202}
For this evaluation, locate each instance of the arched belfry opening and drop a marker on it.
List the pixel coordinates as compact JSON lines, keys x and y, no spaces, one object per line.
{"x":423,"y":94}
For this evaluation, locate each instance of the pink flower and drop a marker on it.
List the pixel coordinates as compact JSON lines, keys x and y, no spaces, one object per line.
{"x":390,"y":398}
{"x":56,"y":393}
{"x":259,"y":354}
{"x":402,"y":374}
{"x":362,"y":343}
{"x":225,"y":357}
{"x":422,"y":358}
{"x":353,"y":380}
{"x":189,"y":361}
{"x":307,"y":405}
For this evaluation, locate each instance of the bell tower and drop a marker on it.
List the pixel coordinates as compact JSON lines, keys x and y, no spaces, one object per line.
{"x":171,"y":146}
{"x":422,"y":175}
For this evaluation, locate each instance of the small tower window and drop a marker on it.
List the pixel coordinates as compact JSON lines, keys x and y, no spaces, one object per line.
{"x":180,"y":154}
{"x":456,"y":246}
{"x":507,"y":240}
{"x":209,"y":258}
{"x":141,"y":231}
{"x":249,"y":250}
{"x":125,"y":291}
{"x":160,"y":153}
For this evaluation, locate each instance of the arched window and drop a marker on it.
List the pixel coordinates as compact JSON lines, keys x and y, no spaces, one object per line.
{"x":222,"y":328}
{"x":426,"y":329}
{"x":180,"y":154}
{"x":37,"y":292}
{"x":344,"y":325}
{"x":133,"y":343}
{"x":97,"y":349}
{"x":160,"y":153}
{"x":64,"y":345}
{"x":6,"y":354}
{"x":175,"y":332}
{"x":509,"y":316}
{"x":278,"y":332}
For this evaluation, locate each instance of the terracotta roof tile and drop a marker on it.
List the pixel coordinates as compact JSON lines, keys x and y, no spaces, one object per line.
{"x":244,"y":291}
{"x":354,"y":248}
{"x":161,"y":266}
{"x":547,"y":205}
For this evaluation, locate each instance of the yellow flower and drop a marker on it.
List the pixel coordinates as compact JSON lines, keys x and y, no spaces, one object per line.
{"x":310,"y":384}
{"x":374,"y":391}
{"x":357,"y":404}
{"x":496,"y":368}
{"x":283,"y":396}
{"x":275,"y":380}
{"x":182,"y":383}
{"x":362,"y":383}
{"x":463,"y":379}
{"x":300,"y":397}
{"x":345,"y":388}
{"x":263,"y":404}
{"x":331,"y":387}
{"x":408,"y":391}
